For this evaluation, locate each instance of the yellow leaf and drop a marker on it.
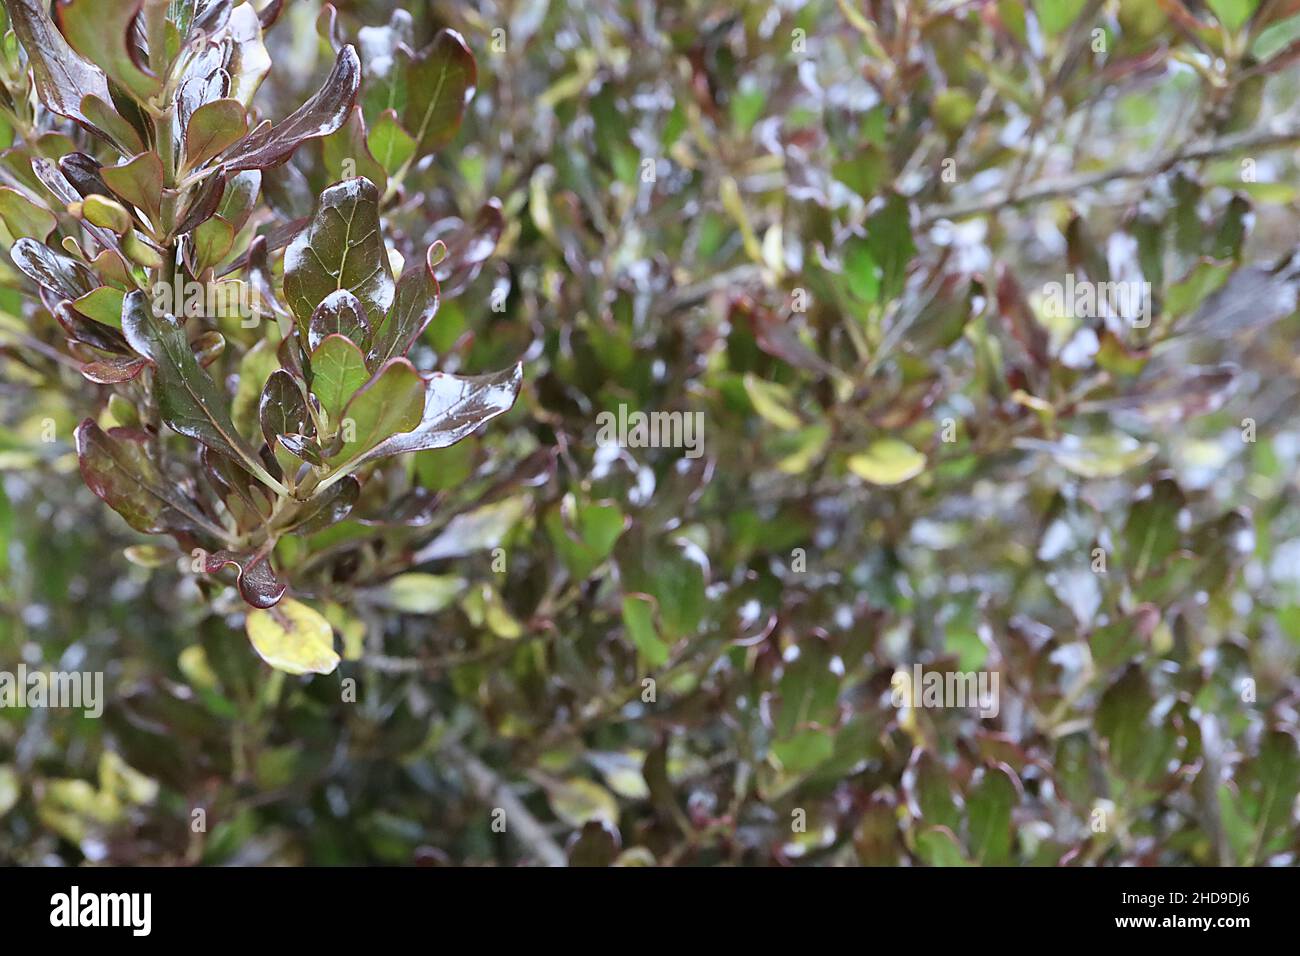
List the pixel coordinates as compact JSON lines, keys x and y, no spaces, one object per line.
{"x":293,"y":638}
{"x":888,"y":461}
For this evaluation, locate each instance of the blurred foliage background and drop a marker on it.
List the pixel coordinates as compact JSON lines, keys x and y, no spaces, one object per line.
{"x":828,"y":227}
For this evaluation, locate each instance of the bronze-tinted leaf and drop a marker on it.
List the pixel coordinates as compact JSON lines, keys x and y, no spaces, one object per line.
{"x":212,"y":129}
{"x":454,"y":406}
{"x":203,"y":204}
{"x":188,"y":400}
{"x":341,"y":249}
{"x":329,"y":507}
{"x":113,"y":371}
{"x":116,"y":466}
{"x":301,"y":447}
{"x":440,"y":82}
{"x":340,"y":313}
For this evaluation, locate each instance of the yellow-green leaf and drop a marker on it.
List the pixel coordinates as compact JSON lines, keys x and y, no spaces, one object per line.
{"x":888,"y":461}
{"x":293,"y":638}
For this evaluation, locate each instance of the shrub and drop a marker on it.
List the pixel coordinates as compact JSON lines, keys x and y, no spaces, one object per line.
{"x":864,"y":353}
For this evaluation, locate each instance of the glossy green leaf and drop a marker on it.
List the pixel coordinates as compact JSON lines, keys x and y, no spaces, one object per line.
{"x":390,"y":403}
{"x":343,"y":248}
{"x":338,"y":370}
{"x":24,"y":218}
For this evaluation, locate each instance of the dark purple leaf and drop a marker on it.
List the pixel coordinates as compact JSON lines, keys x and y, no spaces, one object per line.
{"x":321,"y":115}
{"x":66,"y":278}
{"x":63,"y":77}
{"x":329,"y":507}
{"x":254,"y":576}
{"x":282,"y":410}
{"x":414,"y":306}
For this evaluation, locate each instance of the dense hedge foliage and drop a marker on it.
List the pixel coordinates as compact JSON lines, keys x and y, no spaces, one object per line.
{"x":967,"y":324}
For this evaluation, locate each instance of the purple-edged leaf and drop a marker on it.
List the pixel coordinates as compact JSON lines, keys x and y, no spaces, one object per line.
{"x":254,"y":576}
{"x":390,"y":403}
{"x":341,"y":249}
{"x":468,"y":247}
{"x":213,"y":129}
{"x":454,"y":406}
{"x":282,"y":409}
{"x":116,"y":466}
{"x":440,"y":82}
{"x":329,"y":507}
{"x":321,"y":115}
{"x":102,"y":31}
{"x":62,"y":76}
{"x":340,"y":313}
{"x":209,"y":243}
{"x":188,"y":400}
{"x":139,"y":181}
{"x":414,"y":306}
{"x":66,"y":278}
{"x":338,"y":370}
{"x":24,"y":218}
